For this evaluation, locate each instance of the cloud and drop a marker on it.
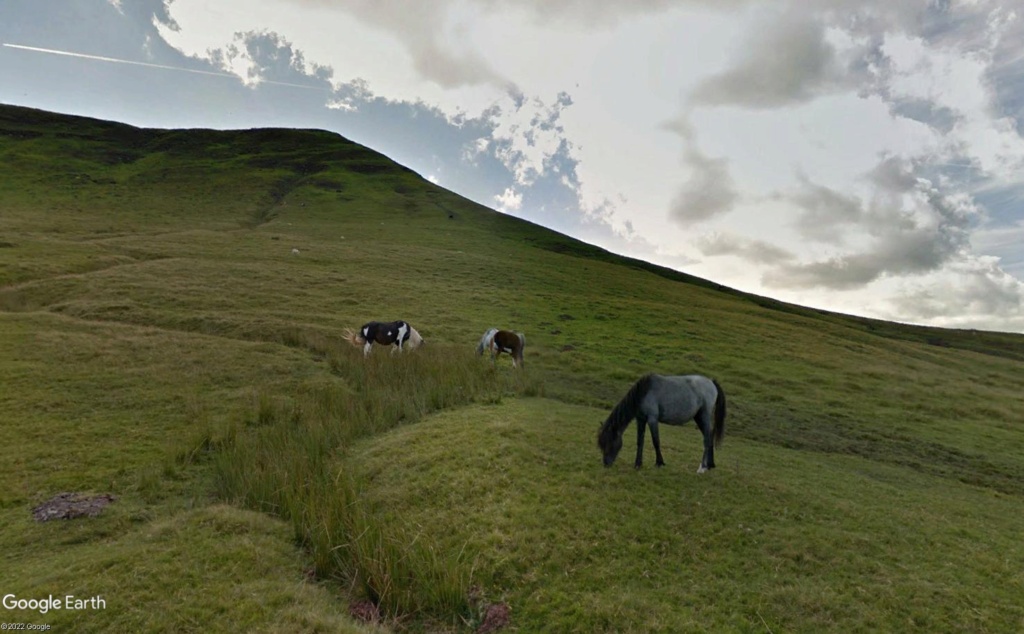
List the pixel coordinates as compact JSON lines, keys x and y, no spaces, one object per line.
{"x":942,"y":118}
{"x":972,"y":294}
{"x":422,"y":28}
{"x":784,"y":63}
{"x":427,"y":30}
{"x":806,"y":49}
{"x":1006,"y":72}
{"x":266,"y":56}
{"x":755,"y":251}
{"x":527,"y":137}
{"x":509,"y":200}
{"x":709,"y":191}
{"x":825,"y":211}
{"x":1004,"y":243}
{"x":914,"y":228}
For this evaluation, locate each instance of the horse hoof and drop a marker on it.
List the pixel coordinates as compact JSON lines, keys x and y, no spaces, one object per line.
{"x":701,"y":469}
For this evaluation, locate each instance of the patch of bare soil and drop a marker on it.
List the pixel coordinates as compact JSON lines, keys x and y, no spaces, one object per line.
{"x":365,"y":611}
{"x":69,"y":506}
{"x":498,"y":615}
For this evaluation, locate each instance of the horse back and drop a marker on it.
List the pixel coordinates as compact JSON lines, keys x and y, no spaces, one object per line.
{"x":675,"y":400}
{"x":507,"y":340}
{"x":384,"y":333}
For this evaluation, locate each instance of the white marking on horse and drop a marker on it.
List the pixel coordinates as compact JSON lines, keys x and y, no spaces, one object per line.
{"x":402,"y":330}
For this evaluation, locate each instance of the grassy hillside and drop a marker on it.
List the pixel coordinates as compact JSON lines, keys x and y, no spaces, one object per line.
{"x":160,"y":341}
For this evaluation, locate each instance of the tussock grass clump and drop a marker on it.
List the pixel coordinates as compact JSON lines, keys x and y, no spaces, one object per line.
{"x":287,"y":464}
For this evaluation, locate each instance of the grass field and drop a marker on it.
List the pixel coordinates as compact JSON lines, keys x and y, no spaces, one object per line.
{"x":160,"y":342}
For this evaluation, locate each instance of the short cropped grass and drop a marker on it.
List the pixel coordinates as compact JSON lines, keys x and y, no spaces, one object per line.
{"x":772,"y":540}
{"x":216,"y":568}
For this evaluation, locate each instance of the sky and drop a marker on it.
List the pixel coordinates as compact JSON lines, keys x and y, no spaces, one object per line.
{"x":861,"y":156}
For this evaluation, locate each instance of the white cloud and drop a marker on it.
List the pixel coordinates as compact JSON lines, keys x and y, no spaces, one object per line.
{"x":509,"y":200}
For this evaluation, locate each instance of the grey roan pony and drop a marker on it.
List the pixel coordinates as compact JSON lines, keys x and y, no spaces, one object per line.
{"x":673,"y":400}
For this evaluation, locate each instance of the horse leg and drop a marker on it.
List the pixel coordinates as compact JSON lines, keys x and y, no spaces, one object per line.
{"x":656,"y":439}
{"x":366,"y":348}
{"x":704,"y":423}
{"x":641,"y":427}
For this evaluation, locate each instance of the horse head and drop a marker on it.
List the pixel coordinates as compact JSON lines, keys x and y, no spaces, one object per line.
{"x":610,"y":444}
{"x":485,"y":341}
{"x":415,"y":340}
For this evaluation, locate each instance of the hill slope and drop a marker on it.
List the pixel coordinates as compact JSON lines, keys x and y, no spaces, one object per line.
{"x":151,"y":306}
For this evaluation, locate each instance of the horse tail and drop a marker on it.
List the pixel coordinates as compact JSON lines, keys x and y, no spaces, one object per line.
{"x":719,"y":431}
{"x":354,"y":338}
{"x":624,"y":412}
{"x":522,"y":344}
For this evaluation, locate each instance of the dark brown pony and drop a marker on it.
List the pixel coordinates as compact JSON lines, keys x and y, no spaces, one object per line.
{"x":507,"y":341}
{"x":396,"y":333}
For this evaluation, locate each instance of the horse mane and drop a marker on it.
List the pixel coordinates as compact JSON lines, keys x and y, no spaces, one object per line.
{"x":624,"y":412}
{"x":719,"y":430}
{"x":354,"y":338}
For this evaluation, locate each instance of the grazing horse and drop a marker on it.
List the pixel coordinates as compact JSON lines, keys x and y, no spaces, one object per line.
{"x":673,"y":400}
{"x":396,"y":333}
{"x":498,"y":341}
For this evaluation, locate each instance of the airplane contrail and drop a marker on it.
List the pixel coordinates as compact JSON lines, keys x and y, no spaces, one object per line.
{"x":36,"y":49}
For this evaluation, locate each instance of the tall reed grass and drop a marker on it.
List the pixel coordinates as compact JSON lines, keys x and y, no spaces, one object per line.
{"x":289,"y":461}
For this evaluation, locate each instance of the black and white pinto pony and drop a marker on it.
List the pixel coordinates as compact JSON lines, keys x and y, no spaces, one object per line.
{"x":396,"y":333}
{"x":673,"y":400}
{"x":507,"y":341}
